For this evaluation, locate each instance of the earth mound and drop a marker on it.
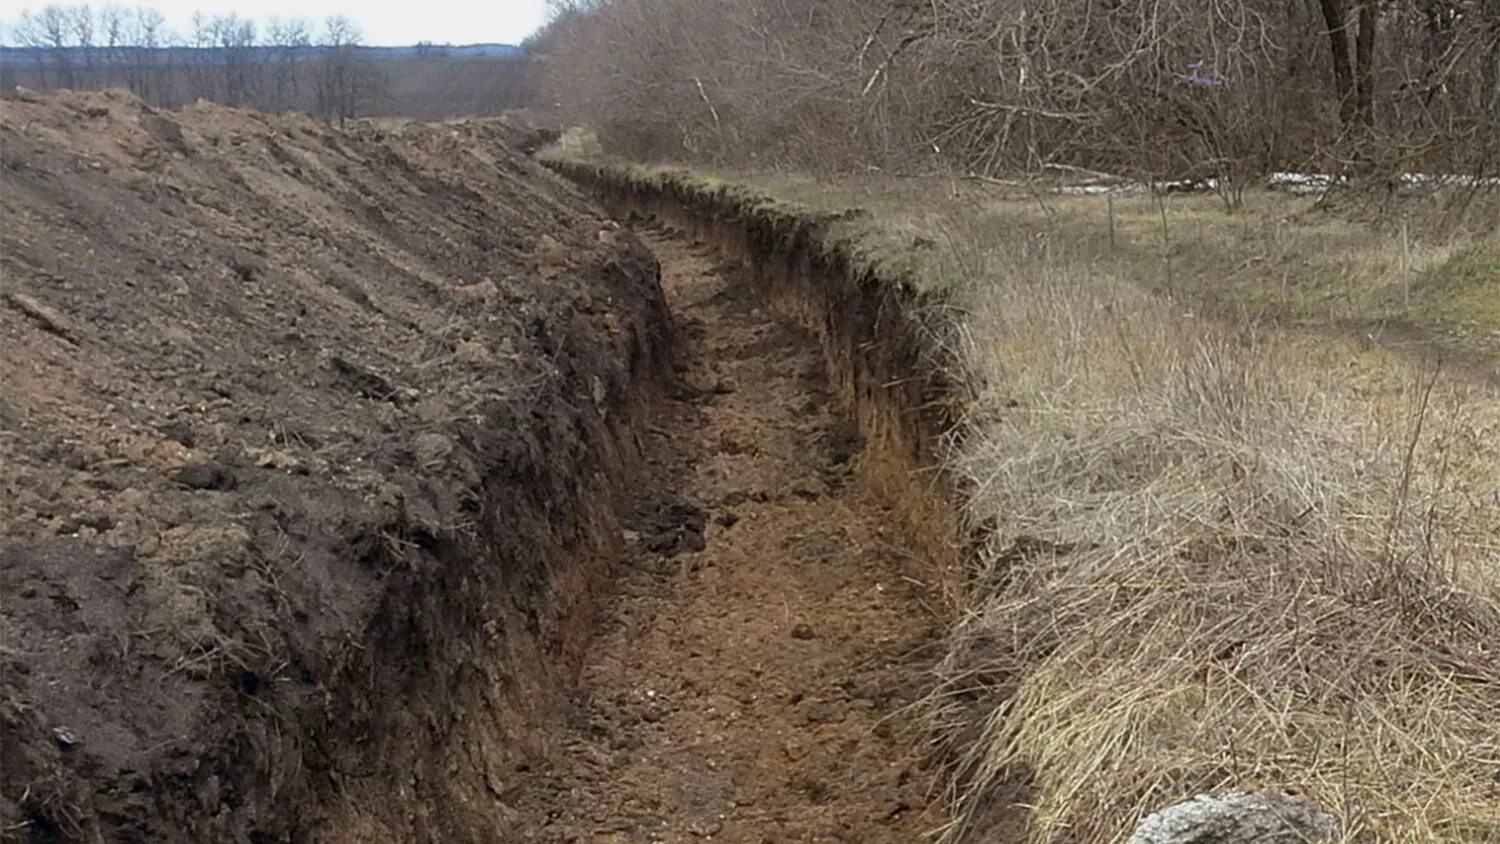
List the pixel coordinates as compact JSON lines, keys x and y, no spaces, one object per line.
{"x":311,"y":442}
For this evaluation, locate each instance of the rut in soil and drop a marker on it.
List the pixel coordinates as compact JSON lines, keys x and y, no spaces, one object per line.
{"x":753,"y":681}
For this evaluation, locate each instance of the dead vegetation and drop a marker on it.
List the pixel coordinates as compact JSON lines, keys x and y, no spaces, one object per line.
{"x":1219,"y":557}
{"x":1151,"y":90}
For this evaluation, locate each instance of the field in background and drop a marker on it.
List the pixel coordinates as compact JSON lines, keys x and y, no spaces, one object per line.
{"x":1410,"y":276}
{"x":1218,"y":551}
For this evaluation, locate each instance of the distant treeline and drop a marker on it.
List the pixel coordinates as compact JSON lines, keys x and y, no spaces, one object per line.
{"x":126,"y":53}
{"x":279,"y":64}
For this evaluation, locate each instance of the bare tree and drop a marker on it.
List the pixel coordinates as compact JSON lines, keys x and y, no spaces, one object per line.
{"x":47,"y":31}
{"x":232,"y":38}
{"x":146,"y":30}
{"x":346,"y":84}
{"x":80,"y":20}
{"x":290,"y":39}
{"x":1220,"y":89}
{"x":29,"y":33}
{"x":112,"y":25}
{"x":199,"y":58}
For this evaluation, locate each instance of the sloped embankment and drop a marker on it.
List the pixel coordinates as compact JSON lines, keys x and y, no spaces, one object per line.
{"x":312,"y":442}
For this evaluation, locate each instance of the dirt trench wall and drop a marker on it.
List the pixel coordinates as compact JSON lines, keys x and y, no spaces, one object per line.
{"x":311,"y":446}
{"x":880,"y":336}
{"x":474,"y":653}
{"x":476,"y":603}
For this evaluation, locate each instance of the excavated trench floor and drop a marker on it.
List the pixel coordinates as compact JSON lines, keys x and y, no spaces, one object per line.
{"x":755,"y":677}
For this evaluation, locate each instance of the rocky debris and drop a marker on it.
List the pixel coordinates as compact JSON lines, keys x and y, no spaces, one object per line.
{"x":1237,"y":817}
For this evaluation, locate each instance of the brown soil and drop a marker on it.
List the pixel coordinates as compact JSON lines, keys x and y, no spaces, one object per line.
{"x":754,"y":678}
{"x":311,"y":446}
{"x":320,"y":453}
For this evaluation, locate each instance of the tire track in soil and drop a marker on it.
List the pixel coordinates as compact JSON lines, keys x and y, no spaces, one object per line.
{"x":752,"y":682}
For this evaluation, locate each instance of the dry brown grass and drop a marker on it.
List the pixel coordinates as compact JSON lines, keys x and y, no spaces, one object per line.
{"x":1279,"y":567}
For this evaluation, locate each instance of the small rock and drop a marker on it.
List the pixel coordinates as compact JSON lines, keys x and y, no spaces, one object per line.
{"x":1237,"y":817}
{"x":726,"y":520}
{"x":64,"y":737}
{"x":803,"y":632}
{"x":609,"y":232}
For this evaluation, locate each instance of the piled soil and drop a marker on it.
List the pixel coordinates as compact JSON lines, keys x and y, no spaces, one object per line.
{"x":754,"y":682}
{"x":312,"y":445}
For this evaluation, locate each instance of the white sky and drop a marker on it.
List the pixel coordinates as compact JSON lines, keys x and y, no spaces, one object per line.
{"x":385,"y":22}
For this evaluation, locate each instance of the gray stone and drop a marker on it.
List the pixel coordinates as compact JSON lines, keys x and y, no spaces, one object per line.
{"x":1237,"y":817}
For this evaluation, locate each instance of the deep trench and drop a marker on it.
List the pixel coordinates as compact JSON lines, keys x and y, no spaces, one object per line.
{"x":755,"y":673}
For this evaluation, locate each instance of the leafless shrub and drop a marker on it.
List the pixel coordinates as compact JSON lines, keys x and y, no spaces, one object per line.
{"x":346,"y":83}
{"x":1174,"y":89}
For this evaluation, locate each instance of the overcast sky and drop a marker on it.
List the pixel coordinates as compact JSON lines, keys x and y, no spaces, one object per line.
{"x":385,"y":23}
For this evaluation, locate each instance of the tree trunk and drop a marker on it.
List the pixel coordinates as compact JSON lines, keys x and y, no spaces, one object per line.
{"x":1495,"y":98}
{"x":1364,"y":56}
{"x":1495,"y":63}
{"x":1338,"y":46}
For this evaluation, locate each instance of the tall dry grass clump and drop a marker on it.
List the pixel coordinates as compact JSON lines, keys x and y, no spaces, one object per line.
{"x":1216,"y":557}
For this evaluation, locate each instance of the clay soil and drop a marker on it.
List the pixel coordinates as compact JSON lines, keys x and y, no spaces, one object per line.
{"x":754,"y":678}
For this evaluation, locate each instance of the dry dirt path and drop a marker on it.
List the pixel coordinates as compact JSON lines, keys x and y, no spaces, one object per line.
{"x":754,"y":680}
